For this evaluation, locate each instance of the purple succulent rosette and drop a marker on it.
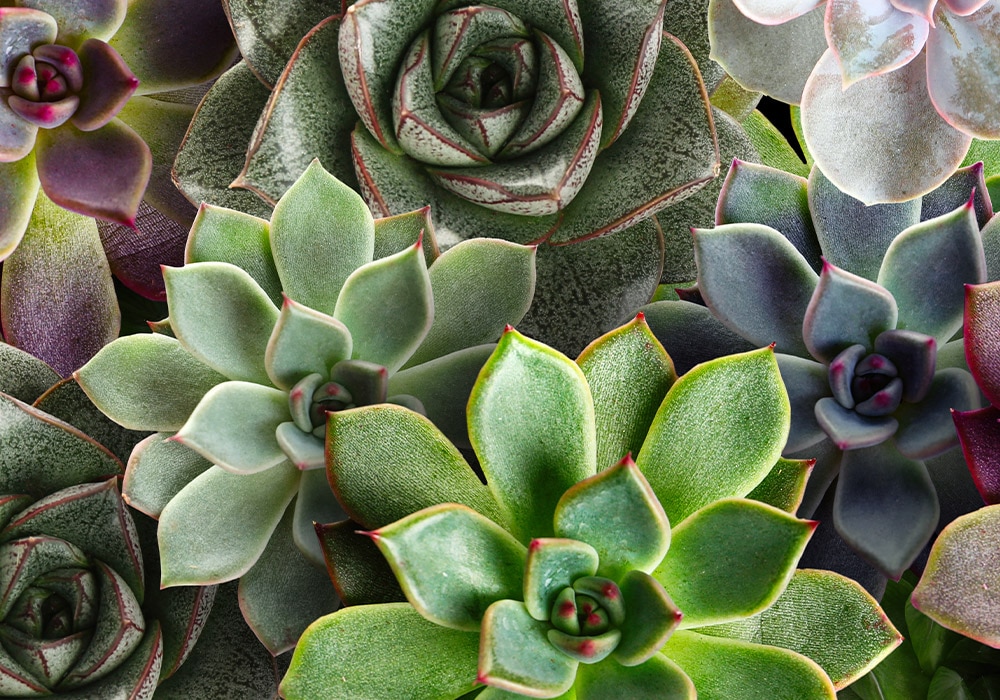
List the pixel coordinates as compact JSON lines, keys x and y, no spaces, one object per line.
{"x":544,"y":121}
{"x":866,"y":345}
{"x":81,"y":613}
{"x":92,"y":111}
{"x":892,"y":91}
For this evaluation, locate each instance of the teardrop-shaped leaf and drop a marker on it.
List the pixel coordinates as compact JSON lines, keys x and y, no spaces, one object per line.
{"x":730,"y":668}
{"x":234,"y":427}
{"x":321,"y":232}
{"x":283,"y":593}
{"x":360,"y":573}
{"x":949,"y":253}
{"x":886,"y":506}
{"x":785,"y":485}
{"x":659,"y":677}
{"x":650,"y":618}
{"x":18,"y":189}
{"x":957,"y":588}
{"x":515,"y":654}
{"x":982,"y":309}
{"x":480,"y":286}
{"x":216,"y":528}
{"x":756,"y":282}
{"x":379,"y":480}
{"x":304,"y":342}
{"x":629,"y":373}
{"x":846,"y":310}
{"x":378,"y":650}
{"x":394,"y":234}
{"x":619,"y":495}
{"x":827,"y":617}
{"x":553,"y":565}
{"x":531,"y":423}
{"x":24,"y":376}
{"x":979,"y":434}
{"x":453,"y":563}
{"x":924,"y":428}
{"x":731,"y":559}
{"x":119,"y":381}
{"x":226,"y":235}
{"x":57,"y":298}
{"x":717,"y":434}
{"x":157,"y":470}
{"x":222,"y":316}
{"x":388,"y":307}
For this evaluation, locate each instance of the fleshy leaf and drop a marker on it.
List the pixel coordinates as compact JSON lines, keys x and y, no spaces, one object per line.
{"x":756,"y":282}
{"x":846,"y":310}
{"x":982,"y":344}
{"x":119,"y":382}
{"x":979,"y":434}
{"x":553,"y":565}
{"x":193,"y":43}
{"x":826,"y":617}
{"x":731,"y":559}
{"x":886,"y":506}
{"x":691,"y":334}
{"x":107,"y":85}
{"x":924,"y":428}
{"x":850,"y":430}
{"x":379,"y":479}
{"x":659,"y":677}
{"x":961,"y":56}
{"x":308,"y":115}
{"x":453,"y":563}
{"x":873,"y":37}
{"x":18,"y":190}
{"x":216,"y":528}
{"x":730,"y":668}
{"x":304,"y":342}
{"x":23,"y":29}
{"x":957,"y":589}
{"x":785,"y":486}
{"x":717,"y":434}
{"x":531,"y":422}
{"x":283,"y":592}
{"x":321,"y":232}
{"x":234,"y":425}
{"x":629,"y":373}
{"x":388,"y":307}
{"x":24,"y":376}
{"x":806,"y":383}
{"x":360,"y":573}
{"x":770,"y":58}
{"x":887,"y":135}
{"x":100,"y":173}
{"x":226,"y":235}
{"x":222,"y":316}
{"x":378,"y":650}
{"x":949,"y":253}
{"x":616,"y":512}
{"x":479,"y":287}
{"x":157,"y":470}
{"x":394,"y":234}
{"x":651,"y":617}
{"x":515,"y":654}
{"x":57,"y":299}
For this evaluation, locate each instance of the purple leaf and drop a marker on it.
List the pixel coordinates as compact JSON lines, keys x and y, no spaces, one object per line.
{"x":107,"y":85}
{"x":979,"y":434}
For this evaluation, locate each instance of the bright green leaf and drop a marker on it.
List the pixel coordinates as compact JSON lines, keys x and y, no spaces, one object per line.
{"x":553,"y":565}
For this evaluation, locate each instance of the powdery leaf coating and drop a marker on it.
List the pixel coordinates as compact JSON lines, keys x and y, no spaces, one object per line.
{"x":958,"y":588}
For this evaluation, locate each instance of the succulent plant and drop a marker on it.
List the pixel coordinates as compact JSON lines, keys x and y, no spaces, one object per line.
{"x":238,"y":389}
{"x":544,"y":122}
{"x":556,"y":579}
{"x":892,"y":92}
{"x":93,"y":107}
{"x":865,"y":344}
{"x":81,"y":614}
{"x":932,"y":662}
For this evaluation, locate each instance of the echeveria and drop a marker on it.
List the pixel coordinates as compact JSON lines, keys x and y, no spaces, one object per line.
{"x":551,"y":122}
{"x":567,"y":576}
{"x":862,"y":303}
{"x":93,"y":105}
{"x":81,"y":613}
{"x":272,"y":326}
{"x":932,"y":662}
{"x":892,"y":92}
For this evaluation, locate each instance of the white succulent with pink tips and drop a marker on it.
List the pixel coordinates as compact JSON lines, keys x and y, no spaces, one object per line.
{"x":892,"y":91}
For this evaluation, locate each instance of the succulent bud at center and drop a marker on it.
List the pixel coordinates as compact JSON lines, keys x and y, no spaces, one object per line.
{"x":586,"y":617}
{"x":45,"y":84}
{"x":866,"y":382}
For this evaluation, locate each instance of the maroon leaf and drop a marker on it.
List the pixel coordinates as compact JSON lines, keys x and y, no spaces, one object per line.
{"x":979,"y":434}
{"x":107,"y":85}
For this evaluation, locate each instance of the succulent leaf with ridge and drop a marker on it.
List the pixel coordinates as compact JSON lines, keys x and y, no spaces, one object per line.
{"x":239,"y":391}
{"x":557,"y":579}
{"x":92,"y":109}
{"x":866,"y":347}
{"x":81,"y":613}
{"x":892,"y":92}
{"x":551,"y":122}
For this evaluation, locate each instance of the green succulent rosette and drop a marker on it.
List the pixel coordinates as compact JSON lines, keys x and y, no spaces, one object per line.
{"x":564,"y":124}
{"x":81,"y":613}
{"x":672,"y":576}
{"x":272,"y":326}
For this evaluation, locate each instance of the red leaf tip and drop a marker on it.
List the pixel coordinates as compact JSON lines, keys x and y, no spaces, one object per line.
{"x":640,"y":317}
{"x":507,"y":329}
{"x":373,"y":534}
{"x":420,"y":240}
{"x":972,"y":199}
